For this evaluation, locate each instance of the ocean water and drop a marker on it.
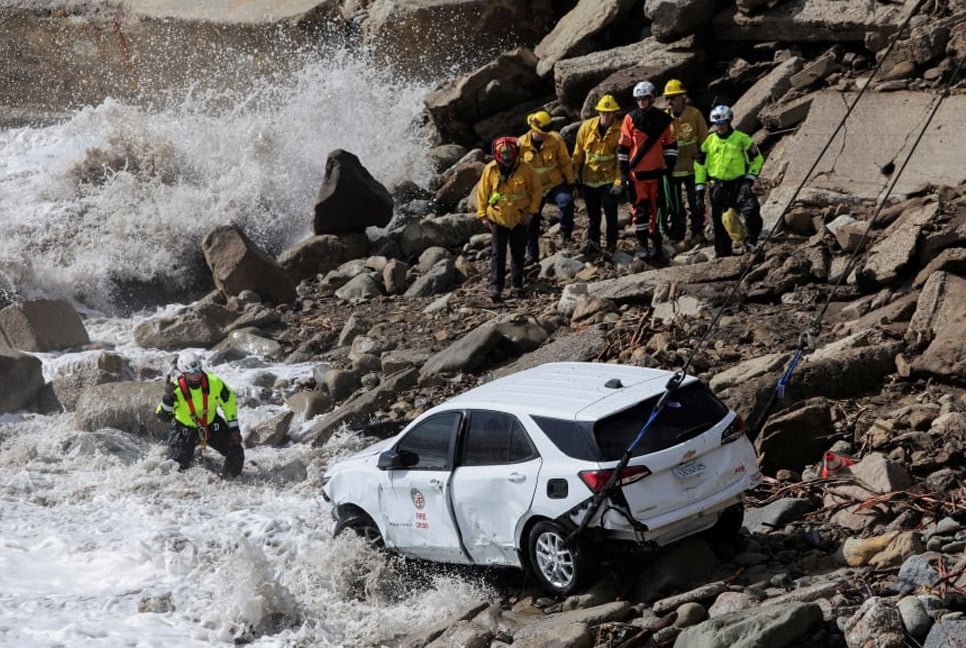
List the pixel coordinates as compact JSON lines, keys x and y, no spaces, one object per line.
{"x":102,"y":541}
{"x":123,"y":193}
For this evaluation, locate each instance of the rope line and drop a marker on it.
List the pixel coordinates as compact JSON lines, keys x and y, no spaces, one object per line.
{"x":780,"y":221}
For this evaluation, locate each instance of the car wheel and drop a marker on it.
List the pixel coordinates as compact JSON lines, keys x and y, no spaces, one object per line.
{"x":363,"y":526}
{"x":559,"y":566}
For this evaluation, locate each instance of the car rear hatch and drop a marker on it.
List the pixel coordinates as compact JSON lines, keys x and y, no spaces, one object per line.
{"x":693,"y":451}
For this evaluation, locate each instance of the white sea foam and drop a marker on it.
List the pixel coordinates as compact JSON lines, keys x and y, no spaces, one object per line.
{"x":124,"y":193}
{"x":102,"y":542}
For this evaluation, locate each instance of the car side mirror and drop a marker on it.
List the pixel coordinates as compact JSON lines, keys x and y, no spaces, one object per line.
{"x":397,"y":459}
{"x":389,"y":460}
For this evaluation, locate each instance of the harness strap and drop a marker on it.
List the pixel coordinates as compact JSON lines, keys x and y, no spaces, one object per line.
{"x":201,"y":423}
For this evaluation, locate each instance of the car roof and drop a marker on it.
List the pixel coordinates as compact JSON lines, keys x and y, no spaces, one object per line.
{"x":568,"y":390}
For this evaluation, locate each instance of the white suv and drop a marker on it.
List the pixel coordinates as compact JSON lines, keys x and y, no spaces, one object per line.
{"x":513,"y":472}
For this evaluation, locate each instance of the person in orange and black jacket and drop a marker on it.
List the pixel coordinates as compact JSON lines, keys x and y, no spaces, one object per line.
{"x":646,"y":153}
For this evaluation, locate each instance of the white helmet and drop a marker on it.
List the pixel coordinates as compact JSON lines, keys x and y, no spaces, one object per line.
{"x":189,"y":362}
{"x":645,"y":89}
{"x":721,"y":115}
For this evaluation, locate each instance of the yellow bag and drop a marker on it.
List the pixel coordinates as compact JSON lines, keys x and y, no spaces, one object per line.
{"x":734,"y":224}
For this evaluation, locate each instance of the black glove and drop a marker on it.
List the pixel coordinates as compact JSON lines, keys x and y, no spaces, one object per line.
{"x":747,"y":187}
{"x":168,"y":388}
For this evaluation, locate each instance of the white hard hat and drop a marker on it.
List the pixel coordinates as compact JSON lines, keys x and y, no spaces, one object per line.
{"x":644,"y":89}
{"x":189,"y":362}
{"x":721,"y":114}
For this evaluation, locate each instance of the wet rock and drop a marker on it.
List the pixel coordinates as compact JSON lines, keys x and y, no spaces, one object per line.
{"x":775,"y":626}
{"x":877,"y":623}
{"x":350,"y":199}
{"x":238,"y":264}
{"x":21,"y":379}
{"x":41,"y":325}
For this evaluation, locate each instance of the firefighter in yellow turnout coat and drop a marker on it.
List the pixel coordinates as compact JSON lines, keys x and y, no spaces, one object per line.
{"x":595,"y":165}
{"x":190,"y":404}
{"x":544,"y":150}
{"x":507,"y":198}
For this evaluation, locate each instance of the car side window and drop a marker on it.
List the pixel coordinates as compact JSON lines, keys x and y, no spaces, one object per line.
{"x":495,"y":438}
{"x":430,"y":442}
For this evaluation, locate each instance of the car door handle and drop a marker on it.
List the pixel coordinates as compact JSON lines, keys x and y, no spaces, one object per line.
{"x":437,"y":484}
{"x":517,"y":478}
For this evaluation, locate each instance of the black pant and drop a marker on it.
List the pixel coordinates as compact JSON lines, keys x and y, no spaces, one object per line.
{"x":183,"y":440}
{"x":676,"y":227}
{"x":596,"y":198}
{"x":517,"y":240}
{"x":738,"y":194}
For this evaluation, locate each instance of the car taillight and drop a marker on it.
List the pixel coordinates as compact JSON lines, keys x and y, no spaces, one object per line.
{"x":734,"y":431}
{"x":597,"y":479}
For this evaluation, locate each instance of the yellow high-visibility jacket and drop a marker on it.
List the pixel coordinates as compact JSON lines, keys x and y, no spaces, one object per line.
{"x":507,"y":200}
{"x":727,"y":158}
{"x":197,"y":414}
{"x":595,"y":155}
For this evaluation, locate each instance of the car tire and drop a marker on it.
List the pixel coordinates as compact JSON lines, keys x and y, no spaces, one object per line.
{"x":362,"y":525}
{"x":560,"y":567}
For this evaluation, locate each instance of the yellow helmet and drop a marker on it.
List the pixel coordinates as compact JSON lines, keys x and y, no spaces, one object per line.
{"x":607,"y":103}
{"x":674,"y":87}
{"x":540,"y":121}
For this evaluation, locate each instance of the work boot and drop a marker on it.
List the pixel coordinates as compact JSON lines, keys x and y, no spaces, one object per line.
{"x":234,"y":461}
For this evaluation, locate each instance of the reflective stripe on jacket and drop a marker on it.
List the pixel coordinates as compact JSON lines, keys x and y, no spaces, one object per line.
{"x":690,"y":130}
{"x":507,"y":201}
{"x":219,"y":394}
{"x":727,"y":158}
{"x":551,"y":161}
{"x":595,"y":155}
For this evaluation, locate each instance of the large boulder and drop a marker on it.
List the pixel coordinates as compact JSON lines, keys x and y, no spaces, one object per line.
{"x":320,"y":254}
{"x":21,"y":379}
{"x":510,"y":79}
{"x":449,"y":231}
{"x":79,"y":371}
{"x":661,"y":63}
{"x":201,"y":326}
{"x":237,"y":264}
{"x":814,"y":20}
{"x":41,"y":325}
{"x":350,"y":199}
{"x":126,"y":406}
{"x":938,"y":325}
{"x":672,"y":19}
{"x":572,"y":35}
{"x":425,"y":37}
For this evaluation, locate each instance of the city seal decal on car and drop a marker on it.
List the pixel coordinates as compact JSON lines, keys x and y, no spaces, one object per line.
{"x":418,"y":500}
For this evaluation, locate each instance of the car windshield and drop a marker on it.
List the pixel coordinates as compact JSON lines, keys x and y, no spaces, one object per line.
{"x":690,"y":411}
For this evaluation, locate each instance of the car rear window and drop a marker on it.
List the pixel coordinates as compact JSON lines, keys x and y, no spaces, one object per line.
{"x":692,"y":410}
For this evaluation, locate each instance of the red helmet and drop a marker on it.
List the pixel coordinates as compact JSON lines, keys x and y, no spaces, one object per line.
{"x":506,"y":150}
